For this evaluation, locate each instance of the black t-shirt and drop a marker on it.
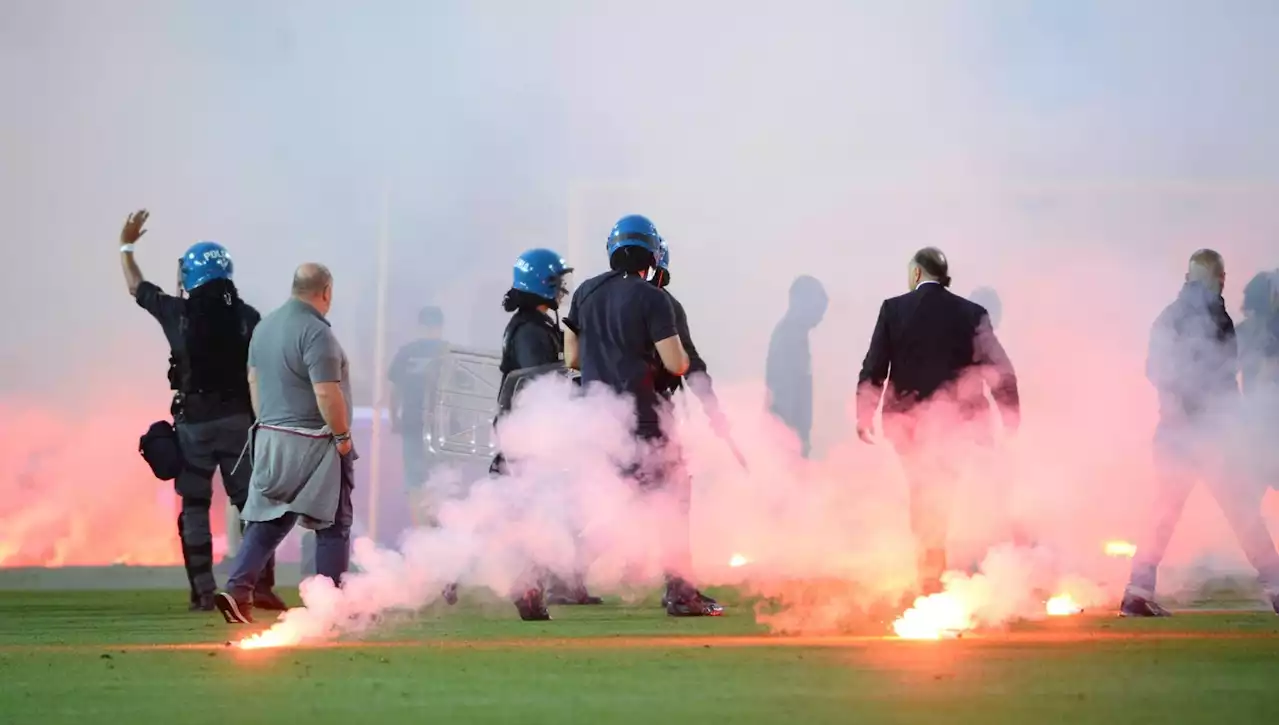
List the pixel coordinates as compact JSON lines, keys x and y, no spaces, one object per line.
{"x":618,"y":320}
{"x":415,"y":372}
{"x":696,"y":363}
{"x":170,"y":312}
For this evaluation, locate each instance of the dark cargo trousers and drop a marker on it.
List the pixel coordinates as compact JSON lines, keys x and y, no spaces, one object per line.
{"x":211,"y":446}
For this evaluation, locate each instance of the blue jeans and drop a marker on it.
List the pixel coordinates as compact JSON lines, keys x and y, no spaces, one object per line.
{"x":333,"y":545}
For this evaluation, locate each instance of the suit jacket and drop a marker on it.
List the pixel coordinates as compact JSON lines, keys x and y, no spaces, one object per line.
{"x":932,"y":345}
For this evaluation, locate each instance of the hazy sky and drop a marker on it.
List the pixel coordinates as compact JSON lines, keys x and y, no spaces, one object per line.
{"x":1069,"y":153}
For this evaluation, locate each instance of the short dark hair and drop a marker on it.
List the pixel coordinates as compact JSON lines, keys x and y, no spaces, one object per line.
{"x":934,"y":264}
{"x":632,"y":260}
{"x":430,"y":316}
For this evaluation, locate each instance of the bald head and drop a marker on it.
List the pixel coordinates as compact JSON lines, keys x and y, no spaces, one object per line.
{"x":928,"y":265}
{"x":313,"y":284}
{"x":311,"y":280}
{"x":1207,"y":268}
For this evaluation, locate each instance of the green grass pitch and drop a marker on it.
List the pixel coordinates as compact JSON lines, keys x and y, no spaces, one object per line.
{"x":139,"y":657}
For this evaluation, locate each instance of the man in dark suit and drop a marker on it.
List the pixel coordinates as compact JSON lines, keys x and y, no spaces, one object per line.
{"x":935,"y":351}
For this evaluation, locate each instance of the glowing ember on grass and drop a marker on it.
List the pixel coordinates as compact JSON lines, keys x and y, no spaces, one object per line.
{"x":1061,"y":606}
{"x":935,"y":617}
{"x":738,"y":560}
{"x":1120,"y":548}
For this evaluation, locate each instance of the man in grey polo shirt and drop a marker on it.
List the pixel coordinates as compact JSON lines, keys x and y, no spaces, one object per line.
{"x":302,"y":456}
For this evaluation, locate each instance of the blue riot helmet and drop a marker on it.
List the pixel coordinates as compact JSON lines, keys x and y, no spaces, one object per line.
{"x":662,"y":270}
{"x":204,"y":262}
{"x":541,"y":272}
{"x":634,"y":231}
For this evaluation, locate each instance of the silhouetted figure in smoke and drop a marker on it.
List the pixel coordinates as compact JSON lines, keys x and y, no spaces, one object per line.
{"x":935,"y":351}
{"x":1192,"y":363}
{"x":620,"y":331}
{"x":415,"y":383}
{"x":788,"y":369}
{"x":1258,"y":335}
{"x":208,"y":333}
{"x":989,"y":300}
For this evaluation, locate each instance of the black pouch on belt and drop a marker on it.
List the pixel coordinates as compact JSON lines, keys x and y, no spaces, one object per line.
{"x":159,"y":448}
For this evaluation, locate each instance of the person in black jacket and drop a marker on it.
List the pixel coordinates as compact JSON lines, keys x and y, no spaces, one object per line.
{"x":930,"y":355}
{"x":698,"y":377}
{"x":1192,"y":363}
{"x":532,"y":346}
{"x":208,"y":333}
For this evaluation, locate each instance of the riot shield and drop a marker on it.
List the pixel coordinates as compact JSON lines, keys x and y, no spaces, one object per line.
{"x":517,"y":379}
{"x":460,"y":413}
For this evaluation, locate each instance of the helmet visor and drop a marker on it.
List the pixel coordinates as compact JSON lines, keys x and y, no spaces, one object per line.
{"x":563,"y":285}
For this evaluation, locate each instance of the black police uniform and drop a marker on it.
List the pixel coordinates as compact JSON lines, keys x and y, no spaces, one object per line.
{"x":669,"y":383}
{"x":212,"y":428}
{"x":533,"y":346}
{"x":618,"y":319}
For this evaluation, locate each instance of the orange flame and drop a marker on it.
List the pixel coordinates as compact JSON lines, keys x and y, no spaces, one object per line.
{"x":1061,"y":606}
{"x":1120,"y":548}
{"x":280,"y":635}
{"x":934,"y":617}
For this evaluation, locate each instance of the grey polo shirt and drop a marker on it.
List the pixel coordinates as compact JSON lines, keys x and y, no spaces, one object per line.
{"x":293,"y":348}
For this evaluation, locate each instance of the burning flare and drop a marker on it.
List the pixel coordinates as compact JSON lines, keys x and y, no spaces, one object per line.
{"x":738,"y":560}
{"x":934,"y":617}
{"x":280,"y":635}
{"x":1120,"y":548}
{"x":1061,"y":606}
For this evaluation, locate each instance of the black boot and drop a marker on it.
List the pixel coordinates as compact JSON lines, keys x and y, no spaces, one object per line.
{"x":562,"y":593}
{"x":196,"y":602}
{"x":531,"y":607}
{"x":683,"y":600}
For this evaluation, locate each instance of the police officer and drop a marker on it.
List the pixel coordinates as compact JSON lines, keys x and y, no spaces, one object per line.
{"x":622,"y":332}
{"x":208,"y":333}
{"x":697,"y":375}
{"x":532,"y":346}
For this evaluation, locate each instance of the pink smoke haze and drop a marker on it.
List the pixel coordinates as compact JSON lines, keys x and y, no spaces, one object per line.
{"x":74,"y":492}
{"x":829,"y":139}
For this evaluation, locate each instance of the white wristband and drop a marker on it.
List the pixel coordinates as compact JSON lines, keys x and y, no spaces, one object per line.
{"x":126,"y":249}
